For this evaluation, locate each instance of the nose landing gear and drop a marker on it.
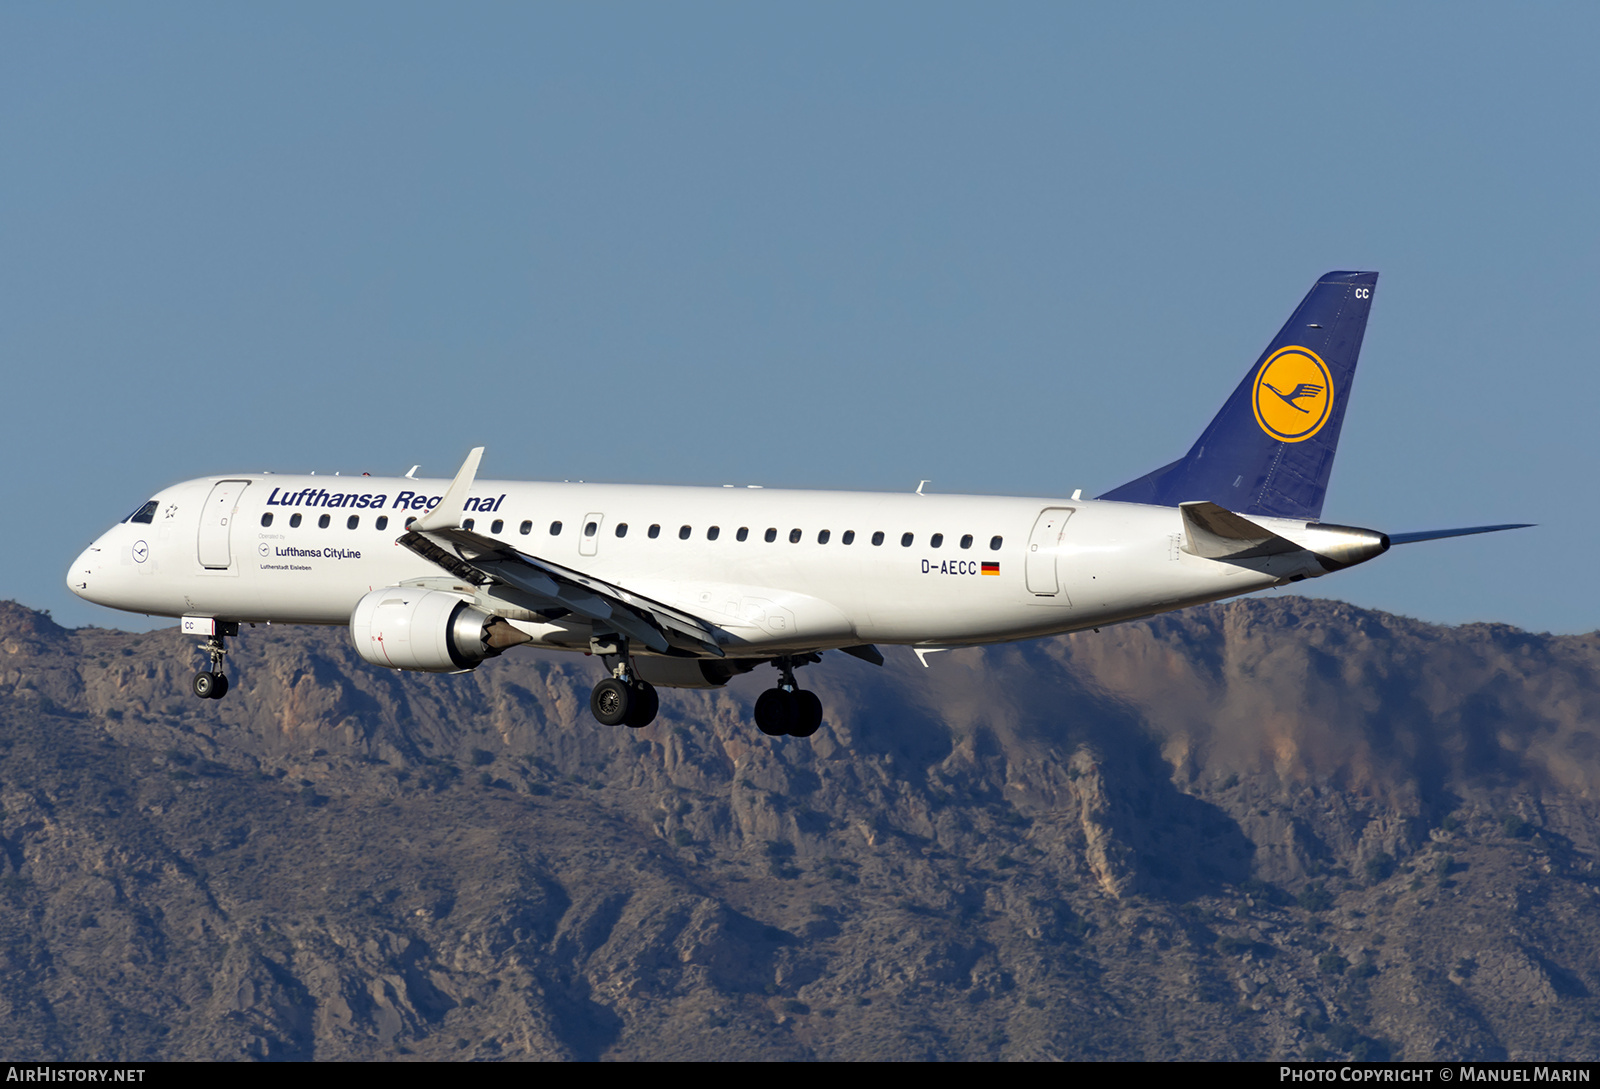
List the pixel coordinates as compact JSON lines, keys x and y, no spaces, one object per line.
{"x":212,"y":684}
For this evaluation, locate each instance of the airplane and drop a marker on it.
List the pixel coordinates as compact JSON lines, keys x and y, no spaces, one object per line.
{"x":689,"y":587}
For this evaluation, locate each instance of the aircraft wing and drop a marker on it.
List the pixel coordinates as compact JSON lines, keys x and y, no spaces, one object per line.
{"x":482,"y":560}
{"x":438,"y":537}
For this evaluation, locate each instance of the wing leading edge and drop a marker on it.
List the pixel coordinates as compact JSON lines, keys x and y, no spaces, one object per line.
{"x":551,"y":588}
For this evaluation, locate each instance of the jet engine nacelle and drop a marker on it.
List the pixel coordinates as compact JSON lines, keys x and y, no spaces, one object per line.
{"x":430,"y":630}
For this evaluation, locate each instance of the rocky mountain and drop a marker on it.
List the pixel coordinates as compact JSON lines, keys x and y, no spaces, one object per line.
{"x":1266,"y":829}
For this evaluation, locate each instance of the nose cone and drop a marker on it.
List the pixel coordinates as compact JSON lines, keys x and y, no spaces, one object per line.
{"x":81,"y":575}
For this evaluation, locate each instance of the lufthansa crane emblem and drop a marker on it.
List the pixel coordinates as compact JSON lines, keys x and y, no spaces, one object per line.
{"x":1293,"y":394}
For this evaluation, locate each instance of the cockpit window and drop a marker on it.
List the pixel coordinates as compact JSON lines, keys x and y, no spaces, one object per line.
{"x":145,"y":514}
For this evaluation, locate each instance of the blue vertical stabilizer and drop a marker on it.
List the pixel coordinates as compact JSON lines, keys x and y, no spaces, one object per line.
{"x":1270,"y":450}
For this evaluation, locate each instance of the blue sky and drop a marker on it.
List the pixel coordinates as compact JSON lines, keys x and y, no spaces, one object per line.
{"x":1015,"y":249}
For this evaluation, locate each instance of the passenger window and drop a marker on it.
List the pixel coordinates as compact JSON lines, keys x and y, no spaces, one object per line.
{"x":683,"y":533}
{"x":322,"y":523}
{"x":877,"y":538}
{"x":469,"y":523}
{"x":655,"y":531}
{"x":743,"y":534}
{"x":145,"y":514}
{"x":966,"y":540}
{"x":296,"y":521}
{"x":794,"y":536}
{"x":526,"y":527}
{"x":497,"y":525}
{"x":591,"y":529}
{"x":906,"y":539}
{"x":352,"y":522}
{"x":994,"y":543}
{"x":555,"y":529}
{"x":848,"y":537}
{"x":383,"y":521}
{"x":622,"y":529}
{"x":822,"y":536}
{"x":713,"y":533}
{"x":936,"y":540}
{"x":266,"y":519}
{"x":771,"y":535}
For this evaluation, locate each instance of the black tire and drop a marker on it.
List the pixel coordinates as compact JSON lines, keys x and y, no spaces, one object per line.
{"x":808,"y":714}
{"x":610,"y":702}
{"x":204,"y":684}
{"x":775,"y":712}
{"x":642,"y":712}
{"x":220,"y":689}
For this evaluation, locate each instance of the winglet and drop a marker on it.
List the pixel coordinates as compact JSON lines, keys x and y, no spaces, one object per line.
{"x":447,"y":515}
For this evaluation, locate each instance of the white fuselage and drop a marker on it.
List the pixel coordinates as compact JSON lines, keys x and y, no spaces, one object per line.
{"x":821,"y":581}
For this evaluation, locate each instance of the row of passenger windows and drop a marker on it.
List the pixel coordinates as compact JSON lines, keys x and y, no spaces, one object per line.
{"x":848,"y":537}
{"x":352,"y":522}
{"x":590,"y":529}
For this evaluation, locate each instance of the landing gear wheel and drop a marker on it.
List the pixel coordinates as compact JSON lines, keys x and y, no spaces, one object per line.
{"x":610,"y":701}
{"x":212,"y":684}
{"x":775,"y":712}
{"x":808,"y":714}
{"x":642,"y":710}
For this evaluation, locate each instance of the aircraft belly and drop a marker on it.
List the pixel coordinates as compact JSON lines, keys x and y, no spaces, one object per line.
{"x":763,"y":615}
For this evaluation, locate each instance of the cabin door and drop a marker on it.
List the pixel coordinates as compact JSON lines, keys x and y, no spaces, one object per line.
{"x":216,"y":523}
{"x":1043,"y":543}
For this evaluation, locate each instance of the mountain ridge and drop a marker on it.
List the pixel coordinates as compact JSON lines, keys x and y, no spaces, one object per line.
{"x":1272,"y":828}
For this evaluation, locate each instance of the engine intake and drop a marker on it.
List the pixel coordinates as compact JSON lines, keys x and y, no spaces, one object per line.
{"x":427,"y":630}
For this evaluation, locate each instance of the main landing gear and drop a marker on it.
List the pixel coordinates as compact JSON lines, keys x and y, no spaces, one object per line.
{"x":788,"y":710}
{"x":623,"y":699}
{"x":211,"y":684}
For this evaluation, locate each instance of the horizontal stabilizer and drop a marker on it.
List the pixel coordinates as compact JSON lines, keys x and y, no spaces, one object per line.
{"x":1217,"y":533}
{"x":1438,"y":534}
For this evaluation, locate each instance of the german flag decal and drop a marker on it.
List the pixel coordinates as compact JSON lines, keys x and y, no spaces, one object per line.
{"x":991,"y":569}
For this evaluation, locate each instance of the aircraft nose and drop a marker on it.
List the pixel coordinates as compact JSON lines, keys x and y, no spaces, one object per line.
{"x":81,"y":575}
